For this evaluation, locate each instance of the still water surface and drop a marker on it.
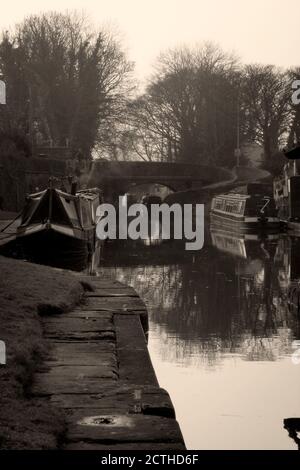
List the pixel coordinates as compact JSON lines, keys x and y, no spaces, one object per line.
{"x":222,"y":334}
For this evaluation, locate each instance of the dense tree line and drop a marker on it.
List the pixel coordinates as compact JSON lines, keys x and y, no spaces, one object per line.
{"x":69,"y":85}
{"x":202,"y":103}
{"x":65,"y":83}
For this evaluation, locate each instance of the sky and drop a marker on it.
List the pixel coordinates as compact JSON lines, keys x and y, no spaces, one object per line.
{"x":265,"y":31}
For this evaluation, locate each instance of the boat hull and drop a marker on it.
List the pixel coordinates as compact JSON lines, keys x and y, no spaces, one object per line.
{"x":293,"y":228}
{"x":56,"y":249}
{"x":85,"y":236}
{"x":244,"y":224}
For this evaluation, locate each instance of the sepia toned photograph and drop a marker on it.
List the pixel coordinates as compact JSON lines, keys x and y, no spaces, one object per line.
{"x":149,"y":231}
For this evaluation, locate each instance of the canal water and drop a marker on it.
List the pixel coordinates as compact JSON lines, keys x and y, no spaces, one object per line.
{"x":224,"y":333}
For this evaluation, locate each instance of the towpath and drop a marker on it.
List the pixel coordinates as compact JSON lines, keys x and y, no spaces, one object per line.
{"x":99,"y":373}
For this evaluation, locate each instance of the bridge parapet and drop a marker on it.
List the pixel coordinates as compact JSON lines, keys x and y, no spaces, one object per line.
{"x":119,"y":176}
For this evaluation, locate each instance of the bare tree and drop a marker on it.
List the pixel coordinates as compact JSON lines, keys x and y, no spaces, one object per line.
{"x":266,"y":98}
{"x":189,"y":110}
{"x":294,"y":131}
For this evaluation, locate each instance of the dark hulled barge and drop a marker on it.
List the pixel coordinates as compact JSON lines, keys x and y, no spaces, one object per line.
{"x":55,"y":221}
{"x":287,"y":198}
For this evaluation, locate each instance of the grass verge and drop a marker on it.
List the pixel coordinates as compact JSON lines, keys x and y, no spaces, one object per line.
{"x":26,"y":292}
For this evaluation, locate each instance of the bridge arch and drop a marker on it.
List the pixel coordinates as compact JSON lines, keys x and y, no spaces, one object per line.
{"x":138,"y":190}
{"x":119,"y":176}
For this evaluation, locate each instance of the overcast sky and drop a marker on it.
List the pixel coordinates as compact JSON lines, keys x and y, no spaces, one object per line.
{"x":264,"y":31}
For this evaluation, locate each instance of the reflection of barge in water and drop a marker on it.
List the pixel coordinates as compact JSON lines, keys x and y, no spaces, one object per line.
{"x":240,"y":245}
{"x":252,"y":211}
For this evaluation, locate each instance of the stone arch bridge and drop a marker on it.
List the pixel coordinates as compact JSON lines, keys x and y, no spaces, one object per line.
{"x":117,"y":177}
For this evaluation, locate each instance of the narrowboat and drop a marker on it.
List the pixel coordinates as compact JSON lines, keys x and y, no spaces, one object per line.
{"x":287,"y":198}
{"x":251,"y":211}
{"x":54,"y":220}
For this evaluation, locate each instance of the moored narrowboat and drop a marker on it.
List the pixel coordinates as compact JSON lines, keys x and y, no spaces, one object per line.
{"x":287,"y":198}
{"x":53,"y":220}
{"x":252,"y":211}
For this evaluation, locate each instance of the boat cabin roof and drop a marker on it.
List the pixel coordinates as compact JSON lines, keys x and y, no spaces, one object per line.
{"x":233,"y":196}
{"x":89,"y":194}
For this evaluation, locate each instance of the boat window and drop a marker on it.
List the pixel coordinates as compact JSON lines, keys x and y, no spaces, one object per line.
{"x":234,"y":207}
{"x":229,"y":205}
{"x":219,"y":204}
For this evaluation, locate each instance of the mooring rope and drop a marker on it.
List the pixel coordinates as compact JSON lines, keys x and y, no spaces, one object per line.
{"x":12,"y":221}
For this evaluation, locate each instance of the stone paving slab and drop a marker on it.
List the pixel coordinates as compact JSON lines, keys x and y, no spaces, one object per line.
{"x":129,"y":446}
{"x":89,"y":426}
{"x":115,"y":303}
{"x":143,"y":399}
{"x":113,"y":292}
{"x":99,"y":374}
